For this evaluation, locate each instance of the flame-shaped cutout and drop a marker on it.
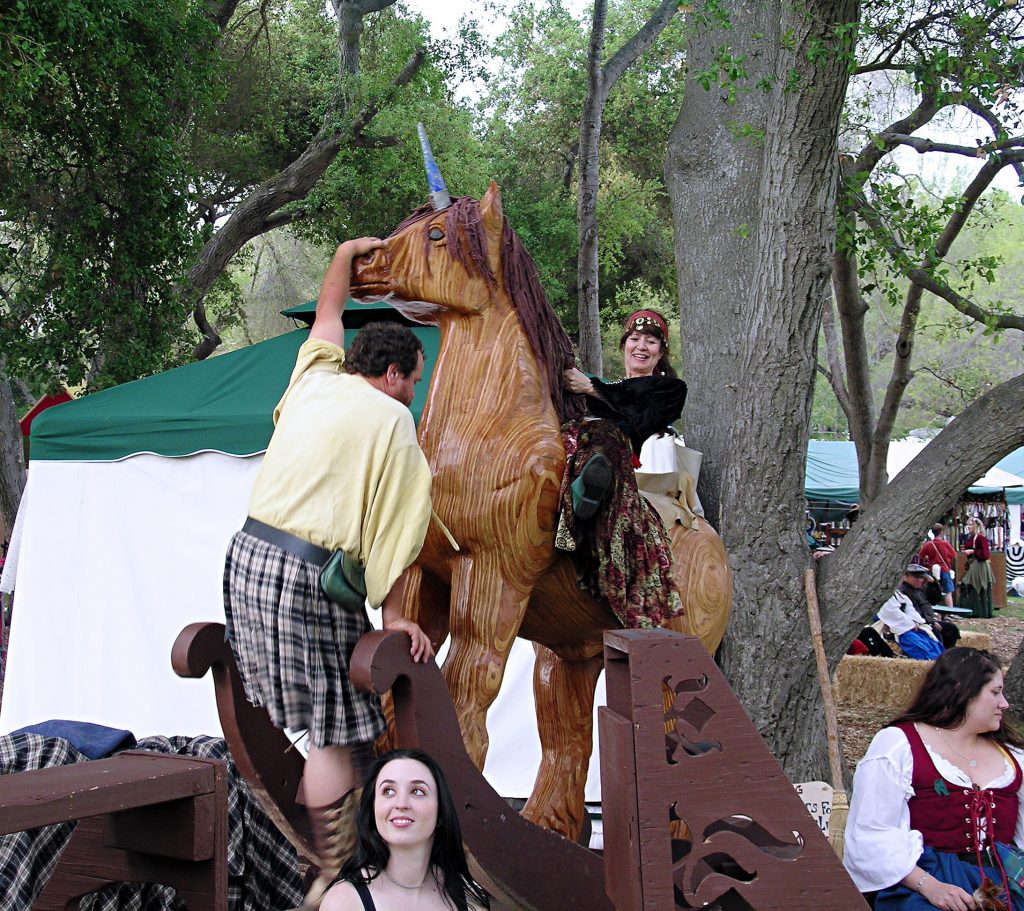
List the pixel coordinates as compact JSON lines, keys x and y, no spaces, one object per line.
{"x":757,"y":835}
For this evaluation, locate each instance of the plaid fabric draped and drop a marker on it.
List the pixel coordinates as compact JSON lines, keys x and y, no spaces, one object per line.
{"x":263,"y":869}
{"x":623,"y":555}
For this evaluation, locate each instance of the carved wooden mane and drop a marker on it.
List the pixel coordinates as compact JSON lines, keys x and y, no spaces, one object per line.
{"x":517,"y":279}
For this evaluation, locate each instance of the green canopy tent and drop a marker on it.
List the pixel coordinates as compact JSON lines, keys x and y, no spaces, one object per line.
{"x":133,"y":493}
{"x":223,"y":404}
{"x":832,"y":481}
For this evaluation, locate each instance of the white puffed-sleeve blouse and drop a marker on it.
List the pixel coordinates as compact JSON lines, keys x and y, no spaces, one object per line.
{"x":880,"y":848}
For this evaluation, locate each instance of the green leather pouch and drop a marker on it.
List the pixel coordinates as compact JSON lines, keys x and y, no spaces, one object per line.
{"x":342,"y":580}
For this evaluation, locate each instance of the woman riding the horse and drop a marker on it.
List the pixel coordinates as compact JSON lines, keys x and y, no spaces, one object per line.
{"x":623,"y":554}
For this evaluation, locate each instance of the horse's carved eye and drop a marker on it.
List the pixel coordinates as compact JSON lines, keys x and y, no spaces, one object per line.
{"x":436,"y":234}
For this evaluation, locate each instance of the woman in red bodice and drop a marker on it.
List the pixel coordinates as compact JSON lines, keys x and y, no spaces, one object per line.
{"x":937,"y":790}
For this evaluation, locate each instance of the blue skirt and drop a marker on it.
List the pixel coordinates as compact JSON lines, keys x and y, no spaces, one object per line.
{"x":918,"y":644}
{"x":947,"y":868}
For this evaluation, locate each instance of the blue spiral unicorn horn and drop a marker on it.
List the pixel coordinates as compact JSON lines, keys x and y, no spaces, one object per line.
{"x":438,"y":191}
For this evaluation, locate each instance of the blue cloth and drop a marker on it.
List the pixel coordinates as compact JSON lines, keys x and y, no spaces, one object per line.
{"x":918,"y":644}
{"x":92,"y":740}
{"x":947,"y":868}
{"x":946,"y":585}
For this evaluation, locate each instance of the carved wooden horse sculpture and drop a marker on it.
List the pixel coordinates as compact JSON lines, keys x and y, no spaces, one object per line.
{"x":490,"y":431}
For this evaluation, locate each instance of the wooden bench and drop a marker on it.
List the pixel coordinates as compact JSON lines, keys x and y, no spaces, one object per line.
{"x":144,"y":817}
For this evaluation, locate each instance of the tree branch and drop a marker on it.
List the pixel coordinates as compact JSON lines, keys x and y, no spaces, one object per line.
{"x":923,"y":145}
{"x":258,"y":212}
{"x":874,"y":151}
{"x":886,"y":62}
{"x":995,"y":124}
{"x":280,"y":219}
{"x":647,"y":34}
{"x":967,"y":307}
{"x":220,"y":13}
{"x":886,"y":533}
{"x":367,"y":114}
{"x":922,"y":278}
{"x":921,"y":275}
{"x":834,"y":374}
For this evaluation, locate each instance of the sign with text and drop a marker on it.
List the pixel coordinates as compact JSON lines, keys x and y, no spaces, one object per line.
{"x":817,"y":797}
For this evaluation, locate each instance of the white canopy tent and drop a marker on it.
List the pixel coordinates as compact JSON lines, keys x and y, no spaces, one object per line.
{"x":117,"y":554}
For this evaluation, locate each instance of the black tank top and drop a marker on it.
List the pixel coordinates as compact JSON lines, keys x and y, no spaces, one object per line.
{"x":364,"y":895}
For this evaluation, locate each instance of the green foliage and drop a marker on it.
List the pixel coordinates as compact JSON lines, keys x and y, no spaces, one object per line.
{"x":131,"y":129}
{"x":279,"y":78}
{"x":94,"y":192}
{"x":369,"y":191}
{"x":954,"y":358}
{"x":530,"y":117}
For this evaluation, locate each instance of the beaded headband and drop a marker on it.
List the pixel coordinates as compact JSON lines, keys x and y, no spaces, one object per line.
{"x":644,"y":320}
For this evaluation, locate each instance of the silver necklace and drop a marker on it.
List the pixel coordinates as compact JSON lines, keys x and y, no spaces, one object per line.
{"x":395,"y":882}
{"x":970,"y":762}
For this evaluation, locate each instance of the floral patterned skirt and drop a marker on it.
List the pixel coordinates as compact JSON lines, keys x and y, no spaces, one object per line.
{"x":623,"y":555}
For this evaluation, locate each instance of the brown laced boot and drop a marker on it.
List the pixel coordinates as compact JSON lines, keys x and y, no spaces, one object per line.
{"x":334,"y":839}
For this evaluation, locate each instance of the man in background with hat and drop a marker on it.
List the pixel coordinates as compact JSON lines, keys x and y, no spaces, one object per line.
{"x":916,"y":585}
{"x":911,"y":617}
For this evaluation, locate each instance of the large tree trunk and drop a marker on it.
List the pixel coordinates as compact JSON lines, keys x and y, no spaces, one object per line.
{"x":754,"y":249}
{"x":713,"y":175}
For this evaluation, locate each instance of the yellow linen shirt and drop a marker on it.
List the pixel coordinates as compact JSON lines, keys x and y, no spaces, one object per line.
{"x":344,"y":469}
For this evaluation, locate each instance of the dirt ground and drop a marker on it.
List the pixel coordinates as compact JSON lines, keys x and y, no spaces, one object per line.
{"x":857,"y":726}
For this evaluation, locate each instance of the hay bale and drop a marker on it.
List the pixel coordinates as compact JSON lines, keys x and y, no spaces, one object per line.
{"x":878,"y":684}
{"x":975,"y":640}
{"x":888,"y":684}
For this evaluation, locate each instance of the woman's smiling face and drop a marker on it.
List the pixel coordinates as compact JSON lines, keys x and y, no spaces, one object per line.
{"x":642,"y":353}
{"x":405,"y":802}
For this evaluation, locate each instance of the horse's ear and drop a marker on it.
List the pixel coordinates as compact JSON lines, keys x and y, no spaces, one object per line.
{"x":492,"y":214}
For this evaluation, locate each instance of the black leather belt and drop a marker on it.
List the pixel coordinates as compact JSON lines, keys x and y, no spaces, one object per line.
{"x":298,"y":547}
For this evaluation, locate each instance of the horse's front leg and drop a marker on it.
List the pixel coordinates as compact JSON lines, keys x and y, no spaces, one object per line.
{"x":485,"y":614}
{"x":564,"y":694}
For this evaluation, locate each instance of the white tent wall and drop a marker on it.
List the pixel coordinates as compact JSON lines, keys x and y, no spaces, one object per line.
{"x":116,"y":558}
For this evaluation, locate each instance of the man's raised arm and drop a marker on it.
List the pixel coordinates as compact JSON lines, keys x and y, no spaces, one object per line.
{"x":334,"y":290}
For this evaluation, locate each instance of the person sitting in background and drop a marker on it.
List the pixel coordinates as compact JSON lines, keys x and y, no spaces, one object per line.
{"x":913,"y":633}
{"x":915,"y":586}
{"x":935,"y":789}
{"x":939,"y":552}
{"x":409,"y":854}
{"x":870,"y":642}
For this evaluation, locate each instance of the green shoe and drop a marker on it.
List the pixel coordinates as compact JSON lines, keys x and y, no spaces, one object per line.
{"x":590,"y":488}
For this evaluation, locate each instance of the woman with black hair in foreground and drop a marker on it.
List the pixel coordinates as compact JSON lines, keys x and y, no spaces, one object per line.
{"x":934,"y":792}
{"x":409,"y":852}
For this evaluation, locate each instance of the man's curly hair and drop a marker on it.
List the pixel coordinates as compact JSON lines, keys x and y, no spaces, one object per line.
{"x":378,"y":345}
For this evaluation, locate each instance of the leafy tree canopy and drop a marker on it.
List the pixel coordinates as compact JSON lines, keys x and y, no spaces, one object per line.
{"x":94,"y":190}
{"x":529,"y":119}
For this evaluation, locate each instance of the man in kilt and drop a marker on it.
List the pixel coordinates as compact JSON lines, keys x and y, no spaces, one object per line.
{"x":343,"y":472}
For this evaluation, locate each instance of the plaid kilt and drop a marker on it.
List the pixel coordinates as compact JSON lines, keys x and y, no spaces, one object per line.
{"x":293,"y":645}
